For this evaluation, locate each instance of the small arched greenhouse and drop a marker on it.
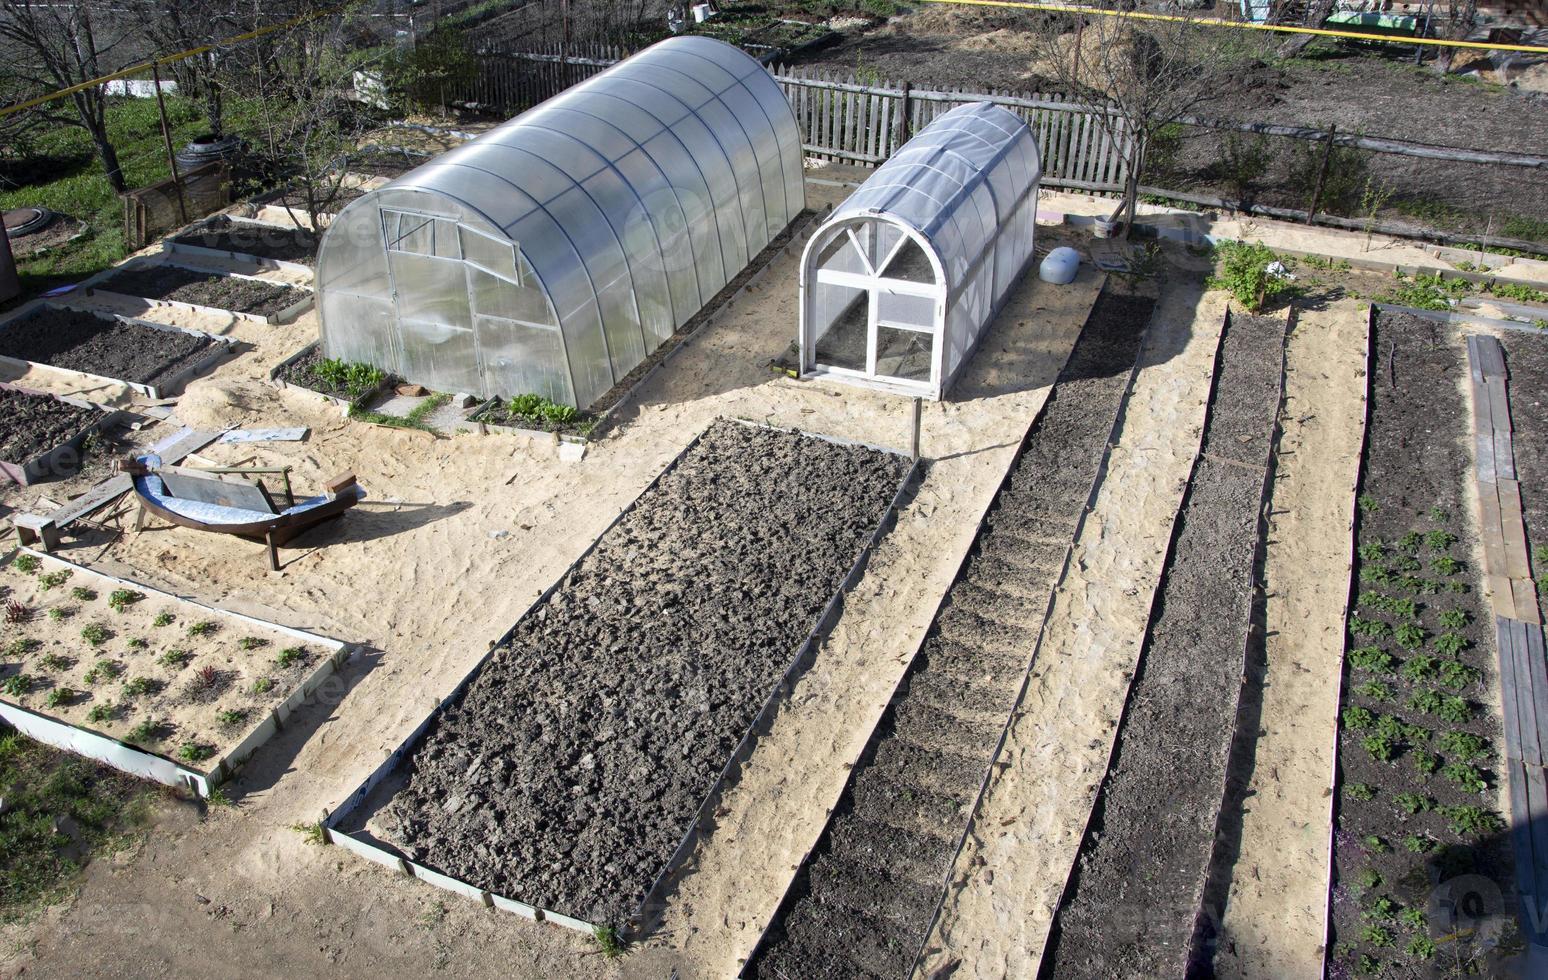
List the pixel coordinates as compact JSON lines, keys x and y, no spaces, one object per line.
{"x":554,"y":253}
{"x":905,"y":277}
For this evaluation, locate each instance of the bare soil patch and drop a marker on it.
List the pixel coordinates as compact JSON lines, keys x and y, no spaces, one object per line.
{"x":566,"y":773}
{"x":264,"y":241}
{"x":148,"y":670}
{"x":170,"y":282}
{"x":1407,"y":763}
{"x":980,"y":50}
{"x":1132,"y":901}
{"x":100,"y":345}
{"x":34,"y":424}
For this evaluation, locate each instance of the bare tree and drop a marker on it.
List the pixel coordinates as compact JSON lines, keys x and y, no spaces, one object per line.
{"x":56,"y":46}
{"x":305,"y":121}
{"x":1453,"y":20}
{"x":1135,"y":77}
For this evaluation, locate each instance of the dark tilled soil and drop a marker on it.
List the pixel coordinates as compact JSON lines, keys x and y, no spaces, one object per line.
{"x":282,"y":244}
{"x":80,"y":341}
{"x":1526,"y":358}
{"x":860,"y":906}
{"x":1417,"y":458}
{"x":568,"y":771}
{"x":1129,"y":910}
{"x":181,"y":285}
{"x":31,"y":424}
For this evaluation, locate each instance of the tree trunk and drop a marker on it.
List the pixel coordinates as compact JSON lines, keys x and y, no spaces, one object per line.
{"x":109,"y":158}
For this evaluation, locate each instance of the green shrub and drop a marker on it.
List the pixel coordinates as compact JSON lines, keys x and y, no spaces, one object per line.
{"x":1342,"y":182}
{"x":1364,"y":792}
{"x":1454,"y":619}
{"x":1450,"y":644}
{"x":1375,"y":690}
{"x":1457,"y":675}
{"x":1419,"y":667}
{"x":1411,"y":803}
{"x":1243,"y":270}
{"x":1464,"y":745}
{"x":1380,"y":747}
{"x":1472,"y":821}
{"x":1357,"y":718}
{"x":1409,"y":636}
{"x":122,"y":599}
{"x":17,"y":685}
{"x":356,"y":380}
{"x":1466,"y":777}
{"x":1374,"y":659}
{"x":26,"y":564}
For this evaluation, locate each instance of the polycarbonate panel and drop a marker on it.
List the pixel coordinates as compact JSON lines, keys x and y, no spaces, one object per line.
{"x":636,"y":196}
{"x":522,"y":358}
{"x":966,"y":185}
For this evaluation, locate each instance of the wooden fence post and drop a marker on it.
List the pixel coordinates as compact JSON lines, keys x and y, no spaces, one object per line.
{"x":906,"y":116}
{"x":1322,"y":174}
{"x":166,"y":138}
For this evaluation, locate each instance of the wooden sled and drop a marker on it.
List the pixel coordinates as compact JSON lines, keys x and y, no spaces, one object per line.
{"x":234,"y":502}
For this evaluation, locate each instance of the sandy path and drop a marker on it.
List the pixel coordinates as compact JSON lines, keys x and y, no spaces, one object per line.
{"x":1274,"y":915}
{"x":1007,"y":882}
{"x":458,"y":535}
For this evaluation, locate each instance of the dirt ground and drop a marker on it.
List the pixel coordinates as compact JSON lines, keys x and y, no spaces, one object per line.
{"x":983,"y":49}
{"x":459,"y":513}
{"x":1007,"y":882}
{"x":1272,"y":924}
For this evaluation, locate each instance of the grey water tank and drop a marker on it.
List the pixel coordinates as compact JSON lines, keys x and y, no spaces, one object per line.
{"x":1060,"y":266}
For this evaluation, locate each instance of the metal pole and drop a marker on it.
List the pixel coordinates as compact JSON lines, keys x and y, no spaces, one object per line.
{"x":1322,"y":174}
{"x":914,"y":445}
{"x":166,"y":138}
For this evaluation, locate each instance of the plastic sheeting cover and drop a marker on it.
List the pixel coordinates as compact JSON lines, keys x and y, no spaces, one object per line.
{"x":556,"y":252}
{"x":965,"y":191}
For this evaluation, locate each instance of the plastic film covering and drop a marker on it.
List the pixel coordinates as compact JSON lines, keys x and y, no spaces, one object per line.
{"x":554,"y":253}
{"x":964,"y":192}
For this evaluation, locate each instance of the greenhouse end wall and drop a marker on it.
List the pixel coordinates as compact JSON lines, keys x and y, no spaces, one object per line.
{"x":553,"y":254}
{"x":904,"y":278}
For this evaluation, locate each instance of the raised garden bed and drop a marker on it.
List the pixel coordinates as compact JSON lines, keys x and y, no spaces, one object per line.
{"x":155,"y":685}
{"x":1150,"y":839}
{"x":152,"y":358}
{"x":496,"y":414}
{"x":41,"y":434}
{"x":571,"y":771}
{"x":300,"y":371}
{"x":208,"y":292}
{"x":255,"y":242}
{"x":1417,"y":823}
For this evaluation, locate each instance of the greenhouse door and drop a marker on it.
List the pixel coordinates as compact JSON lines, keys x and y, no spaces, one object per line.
{"x":873,"y":310}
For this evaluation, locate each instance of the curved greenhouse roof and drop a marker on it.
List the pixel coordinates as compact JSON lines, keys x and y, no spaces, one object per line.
{"x":905,"y":276}
{"x":554,"y":253}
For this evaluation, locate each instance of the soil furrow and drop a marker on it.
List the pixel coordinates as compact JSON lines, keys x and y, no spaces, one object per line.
{"x":1130,"y":907}
{"x":974,"y":659}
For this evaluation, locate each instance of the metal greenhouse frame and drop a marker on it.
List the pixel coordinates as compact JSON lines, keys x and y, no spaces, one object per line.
{"x":554,"y":253}
{"x":902,"y":280}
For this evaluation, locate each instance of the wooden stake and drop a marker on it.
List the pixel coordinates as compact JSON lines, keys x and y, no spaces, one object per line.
{"x":1322,"y":174}
{"x":914,"y":445}
{"x":166,"y":138}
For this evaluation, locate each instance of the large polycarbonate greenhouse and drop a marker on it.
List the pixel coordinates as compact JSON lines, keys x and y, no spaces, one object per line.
{"x":902,"y":280}
{"x":553,"y":254}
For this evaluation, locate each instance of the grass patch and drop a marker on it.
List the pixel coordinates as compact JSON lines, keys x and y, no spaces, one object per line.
{"x":45,"y":790}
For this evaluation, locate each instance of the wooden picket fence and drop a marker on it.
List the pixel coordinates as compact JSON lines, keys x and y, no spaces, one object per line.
{"x":841,"y":119}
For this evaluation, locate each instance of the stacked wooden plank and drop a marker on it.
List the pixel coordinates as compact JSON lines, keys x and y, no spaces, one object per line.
{"x":1518,"y":631}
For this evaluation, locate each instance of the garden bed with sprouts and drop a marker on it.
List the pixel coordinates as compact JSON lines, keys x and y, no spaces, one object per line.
{"x":1422,"y":878}
{"x":349,"y":386}
{"x":154,"y":684}
{"x":534,"y":415}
